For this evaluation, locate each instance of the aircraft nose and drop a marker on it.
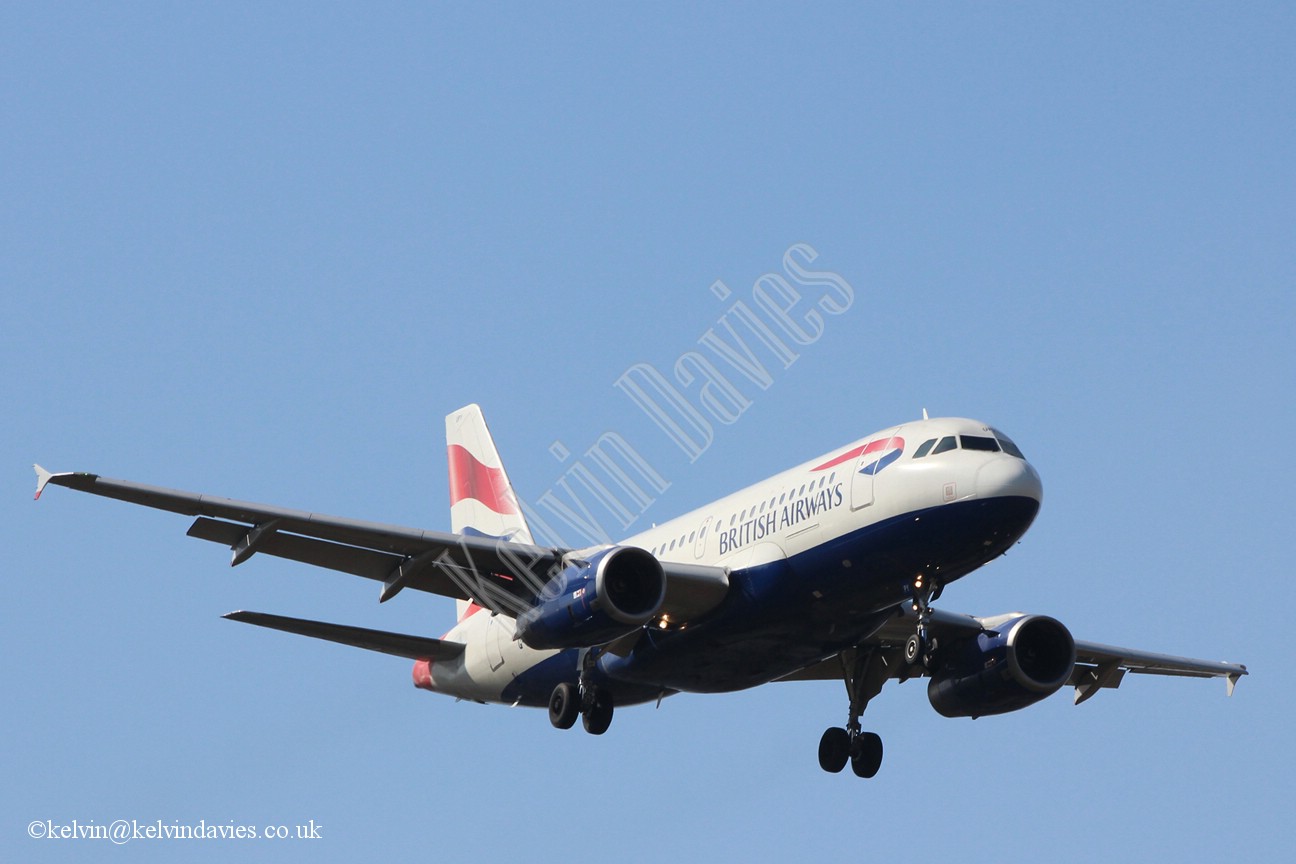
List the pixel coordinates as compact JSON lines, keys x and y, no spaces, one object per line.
{"x":1006,"y":477}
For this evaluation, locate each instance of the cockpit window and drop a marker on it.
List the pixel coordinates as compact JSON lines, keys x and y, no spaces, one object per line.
{"x":983,"y":443}
{"x":1007,"y":444}
{"x":976,"y":442}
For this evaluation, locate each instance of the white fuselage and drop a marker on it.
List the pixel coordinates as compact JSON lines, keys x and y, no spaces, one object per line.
{"x":877,"y":478}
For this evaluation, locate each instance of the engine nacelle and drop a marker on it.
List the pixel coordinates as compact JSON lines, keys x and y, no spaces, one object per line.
{"x":616,"y":592}
{"x":1019,"y":663}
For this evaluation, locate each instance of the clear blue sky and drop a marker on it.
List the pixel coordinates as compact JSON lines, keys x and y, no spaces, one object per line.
{"x":261,"y":250}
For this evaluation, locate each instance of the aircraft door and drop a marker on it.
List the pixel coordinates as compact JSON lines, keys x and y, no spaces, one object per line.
{"x":699,"y":547}
{"x":496,"y":635}
{"x":873,"y":459}
{"x":861,"y":484}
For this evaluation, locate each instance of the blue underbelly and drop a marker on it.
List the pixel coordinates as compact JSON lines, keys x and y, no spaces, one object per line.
{"x":783,"y":616}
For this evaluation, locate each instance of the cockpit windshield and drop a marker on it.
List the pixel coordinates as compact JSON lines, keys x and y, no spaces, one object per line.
{"x":1007,"y":444}
{"x":993,"y":443}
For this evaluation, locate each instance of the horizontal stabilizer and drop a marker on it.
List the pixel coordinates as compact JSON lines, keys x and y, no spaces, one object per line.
{"x":399,"y":644}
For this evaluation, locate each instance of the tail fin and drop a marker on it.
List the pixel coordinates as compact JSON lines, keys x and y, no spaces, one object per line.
{"x":482,"y":502}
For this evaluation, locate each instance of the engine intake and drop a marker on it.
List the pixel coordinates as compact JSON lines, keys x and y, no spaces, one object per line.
{"x":1019,"y":663}
{"x":616,"y":592}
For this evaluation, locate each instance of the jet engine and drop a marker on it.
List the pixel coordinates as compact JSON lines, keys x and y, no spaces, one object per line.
{"x":1020,"y":661}
{"x":593,"y":602}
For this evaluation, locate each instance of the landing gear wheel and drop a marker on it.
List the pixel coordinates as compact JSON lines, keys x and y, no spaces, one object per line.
{"x":919,"y":651}
{"x":834,"y":750}
{"x":564,"y":706}
{"x":929,"y":659}
{"x":866,"y":754}
{"x":913,"y":649}
{"x":597,"y":716}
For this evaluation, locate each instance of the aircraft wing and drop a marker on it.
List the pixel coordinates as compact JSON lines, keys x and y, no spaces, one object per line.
{"x":1097,"y":666}
{"x":399,"y":644}
{"x":501,"y":575}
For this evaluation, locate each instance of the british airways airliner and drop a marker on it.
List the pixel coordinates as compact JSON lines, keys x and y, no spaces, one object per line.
{"x":825,"y":571}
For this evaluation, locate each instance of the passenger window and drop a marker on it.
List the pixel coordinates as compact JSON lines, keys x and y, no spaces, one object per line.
{"x":946,"y":443}
{"x":924,"y":448}
{"x":976,"y":442}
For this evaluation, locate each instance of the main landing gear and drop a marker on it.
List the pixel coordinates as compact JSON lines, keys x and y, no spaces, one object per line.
{"x":864,"y":672}
{"x":593,"y":704}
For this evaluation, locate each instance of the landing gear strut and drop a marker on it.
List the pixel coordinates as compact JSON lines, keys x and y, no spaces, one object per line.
{"x":864,"y":672}
{"x":920,"y":648}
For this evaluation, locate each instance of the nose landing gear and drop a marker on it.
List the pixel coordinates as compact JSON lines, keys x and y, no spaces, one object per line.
{"x":920,"y":648}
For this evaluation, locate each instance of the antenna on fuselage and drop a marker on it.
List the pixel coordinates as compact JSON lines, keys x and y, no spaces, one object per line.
{"x":925,"y":417}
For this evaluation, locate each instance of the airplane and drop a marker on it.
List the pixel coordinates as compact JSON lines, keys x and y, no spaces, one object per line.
{"x":825,"y":571}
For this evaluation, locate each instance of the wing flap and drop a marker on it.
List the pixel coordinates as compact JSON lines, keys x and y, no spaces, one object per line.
{"x":502,"y":575}
{"x":397,"y":644}
{"x":1145,"y":662}
{"x":379,"y":566}
{"x":1110,"y":663}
